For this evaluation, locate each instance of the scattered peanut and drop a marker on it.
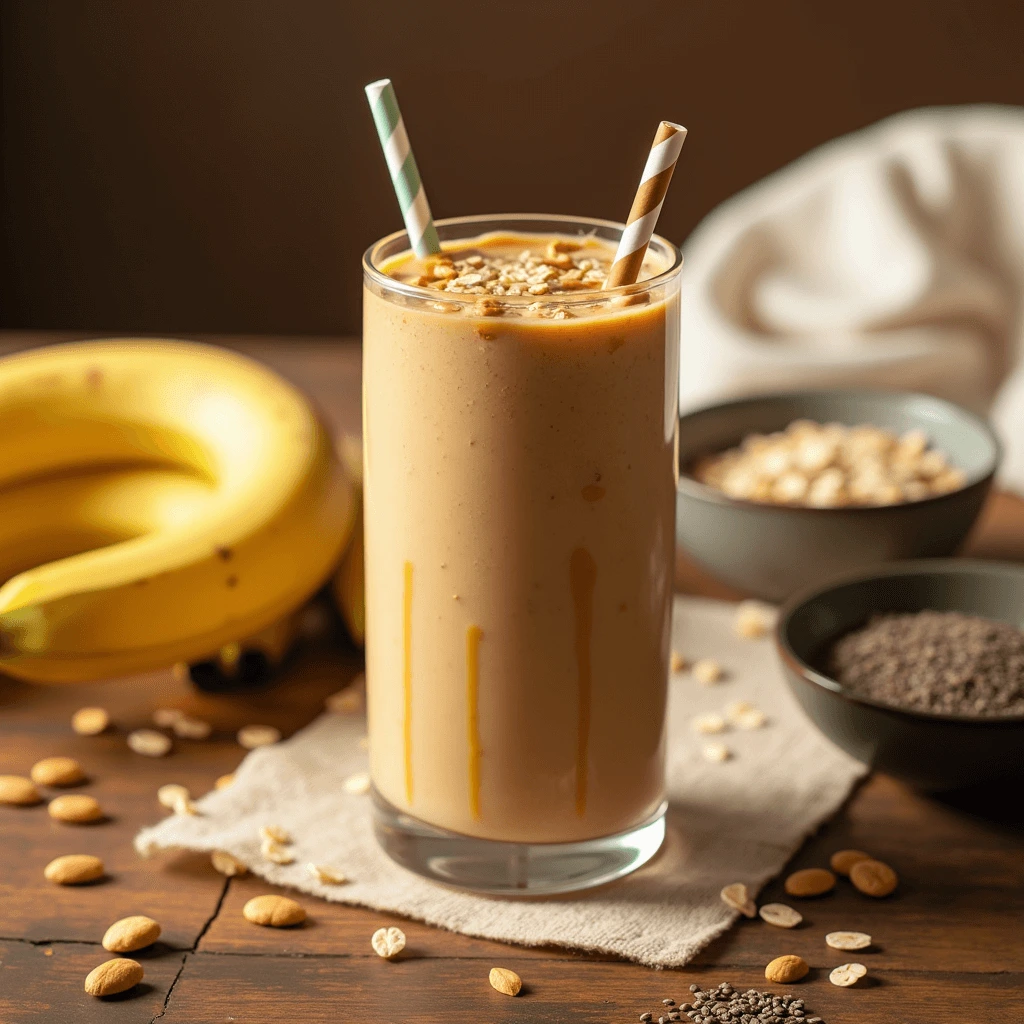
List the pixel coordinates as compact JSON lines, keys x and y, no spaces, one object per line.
{"x":754,"y":619}
{"x":847,"y":941}
{"x":507,"y":982}
{"x":810,"y":882}
{"x":130,"y":934}
{"x":846,"y":975}
{"x":842,"y":860}
{"x":57,"y":771}
{"x":707,"y":671}
{"x":873,"y":878}
{"x":780,"y":915}
{"x":227,"y":864}
{"x":388,"y":942}
{"x":737,"y":897}
{"x":224,"y":781}
{"x":677,"y":662}
{"x":273,"y":911}
{"x":149,"y":742}
{"x":785,"y":969}
{"x":357,"y":784}
{"x":253,"y":736}
{"x":90,"y":721}
{"x":117,"y":975}
{"x":16,"y":789}
{"x":325,"y":874}
{"x":73,"y":869}
{"x":77,"y":809}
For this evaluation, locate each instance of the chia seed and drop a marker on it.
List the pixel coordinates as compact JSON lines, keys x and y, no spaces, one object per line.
{"x":934,"y":662}
{"x":724,"y":1003}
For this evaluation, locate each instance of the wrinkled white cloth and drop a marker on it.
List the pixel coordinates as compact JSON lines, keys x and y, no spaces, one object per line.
{"x":737,"y":821}
{"x":892,"y":257}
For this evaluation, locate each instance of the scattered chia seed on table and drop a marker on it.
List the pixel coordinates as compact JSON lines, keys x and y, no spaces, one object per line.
{"x":939,"y":662}
{"x":751,"y":1007}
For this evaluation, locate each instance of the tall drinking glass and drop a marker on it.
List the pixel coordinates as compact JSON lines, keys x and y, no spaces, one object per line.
{"x":520,"y":477}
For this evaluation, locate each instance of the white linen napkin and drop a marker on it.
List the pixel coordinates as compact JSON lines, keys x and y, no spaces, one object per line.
{"x":737,"y":821}
{"x":892,"y":257}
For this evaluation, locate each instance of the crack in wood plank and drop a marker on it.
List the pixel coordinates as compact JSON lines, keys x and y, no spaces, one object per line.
{"x":189,"y":952}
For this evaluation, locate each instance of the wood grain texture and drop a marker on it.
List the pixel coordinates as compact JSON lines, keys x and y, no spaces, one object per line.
{"x":950,"y":933}
{"x":44,"y":984}
{"x":418,"y":990}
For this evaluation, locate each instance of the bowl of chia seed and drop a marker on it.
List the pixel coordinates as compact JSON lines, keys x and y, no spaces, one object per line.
{"x":916,"y":668}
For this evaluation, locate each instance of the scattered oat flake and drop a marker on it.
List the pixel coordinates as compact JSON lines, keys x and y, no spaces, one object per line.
{"x":276,"y":853}
{"x":364,"y":742}
{"x":358,"y":784}
{"x":709,"y":723}
{"x":780,"y":915}
{"x":253,"y":736}
{"x":224,"y":781}
{"x":738,"y":897}
{"x":388,"y":942}
{"x":326,"y":874}
{"x":165,"y":718}
{"x":846,"y":975}
{"x":349,"y":701}
{"x":754,"y":619}
{"x":275,"y":834}
{"x":176,"y":798}
{"x":149,"y":742}
{"x":707,"y":671}
{"x":715,"y":752}
{"x":753,"y":718}
{"x":192,"y":728}
{"x":848,"y":940}
{"x":227,"y":864}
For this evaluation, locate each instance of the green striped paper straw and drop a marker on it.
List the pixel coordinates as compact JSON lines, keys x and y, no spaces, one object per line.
{"x":402,"y":165}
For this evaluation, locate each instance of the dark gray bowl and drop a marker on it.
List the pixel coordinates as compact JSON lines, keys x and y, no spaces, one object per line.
{"x":934,"y":752}
{"x":773,"y":551}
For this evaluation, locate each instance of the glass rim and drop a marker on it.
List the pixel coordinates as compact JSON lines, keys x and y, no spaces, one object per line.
{"x":598,"y":295}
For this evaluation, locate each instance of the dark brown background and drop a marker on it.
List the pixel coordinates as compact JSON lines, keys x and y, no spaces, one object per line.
{"x":210,"y":165}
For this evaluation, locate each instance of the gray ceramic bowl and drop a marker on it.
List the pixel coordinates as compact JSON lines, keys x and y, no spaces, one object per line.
{"x":936,"y":752}
{"x":772,"y":551}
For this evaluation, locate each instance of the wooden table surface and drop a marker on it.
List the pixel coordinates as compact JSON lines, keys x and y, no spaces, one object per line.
{"x":949,"y":944}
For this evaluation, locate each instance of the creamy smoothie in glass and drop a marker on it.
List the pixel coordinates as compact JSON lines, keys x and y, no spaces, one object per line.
{"x":520,"y":474}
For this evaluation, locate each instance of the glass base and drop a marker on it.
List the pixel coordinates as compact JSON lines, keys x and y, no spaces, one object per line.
{"x":513,"y":869}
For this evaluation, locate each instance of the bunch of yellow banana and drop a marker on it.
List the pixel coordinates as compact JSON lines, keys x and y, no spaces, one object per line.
{"x":158,"y":500}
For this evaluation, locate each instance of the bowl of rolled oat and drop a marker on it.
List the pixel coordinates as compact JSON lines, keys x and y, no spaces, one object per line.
{"x":916,"y":669}
{"x":780,"y":492}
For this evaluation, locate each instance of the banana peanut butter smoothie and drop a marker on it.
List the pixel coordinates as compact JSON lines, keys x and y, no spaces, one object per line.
{"x":519,"y":428}
{"x":520,"y":465}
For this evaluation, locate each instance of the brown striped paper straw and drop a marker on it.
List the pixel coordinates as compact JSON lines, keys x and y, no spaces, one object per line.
{"x":643,"y":217}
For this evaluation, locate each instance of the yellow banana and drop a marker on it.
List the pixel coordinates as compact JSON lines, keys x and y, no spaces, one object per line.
{"x":252,"y":512}
{"x":349,"y":584}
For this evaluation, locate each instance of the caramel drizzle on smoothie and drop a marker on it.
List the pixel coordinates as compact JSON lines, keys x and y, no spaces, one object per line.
{"x":473,"y":636}
{"x":407,"y":677}
{"x":582,"y":577}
